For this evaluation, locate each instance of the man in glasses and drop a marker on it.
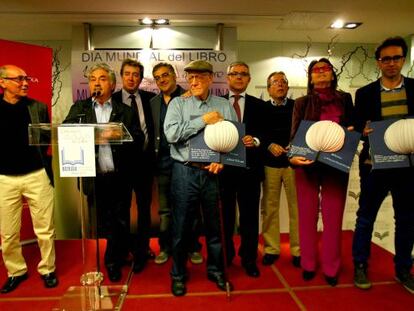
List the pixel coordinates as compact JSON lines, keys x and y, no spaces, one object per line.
{"x":195,"y":185}
{"x":278,"y":173}
{"x":242,"y":185}
{"x":166,"y":80}
{"x":24,"y":171}
{"x":391,"y":96}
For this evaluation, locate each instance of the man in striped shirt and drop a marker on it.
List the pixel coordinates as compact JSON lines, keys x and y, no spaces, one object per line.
{"x":391,"y":96}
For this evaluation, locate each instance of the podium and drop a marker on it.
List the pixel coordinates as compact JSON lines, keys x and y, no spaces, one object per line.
{"x":77,"y":144}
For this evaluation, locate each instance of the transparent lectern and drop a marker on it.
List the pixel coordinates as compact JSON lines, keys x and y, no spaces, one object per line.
{"x":74,"y":141}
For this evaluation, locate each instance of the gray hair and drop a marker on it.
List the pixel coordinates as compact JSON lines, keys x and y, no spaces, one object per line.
{"x":107,"y":68}
{"x":276,"y":73}
{"x":237,"y":63}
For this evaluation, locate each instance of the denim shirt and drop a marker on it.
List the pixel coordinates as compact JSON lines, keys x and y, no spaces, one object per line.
{"x":184,"y":120}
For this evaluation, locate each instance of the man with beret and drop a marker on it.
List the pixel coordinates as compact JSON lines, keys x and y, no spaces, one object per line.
{"x":195,"y":185}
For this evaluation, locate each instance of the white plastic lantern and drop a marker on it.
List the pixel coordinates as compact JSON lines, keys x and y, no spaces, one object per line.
{"x":326,"y":136}
{"x":399,"y":136}
{"x":221,"y":136}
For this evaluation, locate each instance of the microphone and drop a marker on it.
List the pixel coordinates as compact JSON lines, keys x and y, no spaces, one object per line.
{"x":96,"y":93}
{"x":81,"y":116}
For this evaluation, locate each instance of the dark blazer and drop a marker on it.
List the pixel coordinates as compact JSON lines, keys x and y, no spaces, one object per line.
{"x":368,"y":107}
{"x":83,"y":112}
{"x":253,"y":120}
{"x":308,"y":107}
{"x":39,"y":114}
{"x":145,"y":99}
{"x":156,"y":103}
{"x":277,"y":124}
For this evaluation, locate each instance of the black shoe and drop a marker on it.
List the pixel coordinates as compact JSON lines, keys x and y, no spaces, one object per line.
{"x":406,"y":279}
{"x":269,"y":259}
{"x":178,"y":288}
{"x":220,"y":281}
{"x":50,"y":280}
{"x":308,"y":275}
{"x":296,"y":261}
{"x":331,"y":280}
{"x":251,"y":270}
{"x":114,"y":273}
{"x":361,"y":277}
{"x":139,"y":265}
{"x":12,"y":283}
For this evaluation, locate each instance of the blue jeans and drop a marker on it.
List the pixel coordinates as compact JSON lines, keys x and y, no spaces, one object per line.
{"x":375,"y":186}
{"x":164,"y":211}
{"x":192,"y":188}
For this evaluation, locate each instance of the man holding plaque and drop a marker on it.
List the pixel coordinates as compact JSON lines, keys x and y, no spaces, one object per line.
{"x":195,"y":184}
{"x":391,"y":96}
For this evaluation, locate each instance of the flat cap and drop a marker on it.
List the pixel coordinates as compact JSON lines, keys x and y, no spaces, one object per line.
{"x":199,"y":65}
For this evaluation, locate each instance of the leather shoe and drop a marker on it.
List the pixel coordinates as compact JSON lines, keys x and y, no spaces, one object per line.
{"x":50,"y":280}
{"x":308,"y":275}
{"x":178,"y":288}
{"x":296,"y":261}
{"x":251,"y":270}
{"x":114,"y":273}
{"x":331,"y":280}
{"x":269,"y":259}
{"x":220,"y":281}
{"x":12,"y":283}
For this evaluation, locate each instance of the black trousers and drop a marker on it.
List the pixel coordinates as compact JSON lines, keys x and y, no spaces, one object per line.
{"x":112,"y":215}
{"x":242,"y":186}
{"x":141,"y":183}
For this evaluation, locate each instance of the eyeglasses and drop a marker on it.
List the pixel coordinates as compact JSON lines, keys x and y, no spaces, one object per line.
{"x":239,"y":74}
{"x":197,"y":76}
{"x":321,"y":69}
{"x":20,"y":79}
{"x":388,"y":59}
{"x":277,"y":82}
{"x":164,"y":75}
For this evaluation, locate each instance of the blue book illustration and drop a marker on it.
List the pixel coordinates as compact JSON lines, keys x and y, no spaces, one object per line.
{"x":298,"y":147}
{"x":341,"y":160}
{"x":79,"y":160}
{"x":381,"y":156}
{"x":200,"y":152}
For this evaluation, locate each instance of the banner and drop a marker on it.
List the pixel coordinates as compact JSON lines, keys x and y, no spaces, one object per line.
{"x":82,"y":62}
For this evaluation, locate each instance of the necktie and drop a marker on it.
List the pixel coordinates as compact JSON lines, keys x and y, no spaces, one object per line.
{"x":237,"y":106}
{"x":134,"y":103}
{"x":141,"y":118}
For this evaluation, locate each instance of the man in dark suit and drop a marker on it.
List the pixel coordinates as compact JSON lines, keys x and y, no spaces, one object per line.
{"x":166,"y":79}
{"x":132,"y":73}
{"x":391,"y":96}
{"x":242,"y":185}
{"x":278,"y":172}
{"x":108,"y":191}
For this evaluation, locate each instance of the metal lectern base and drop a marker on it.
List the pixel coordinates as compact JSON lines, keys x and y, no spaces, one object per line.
{"x":85,"y":298}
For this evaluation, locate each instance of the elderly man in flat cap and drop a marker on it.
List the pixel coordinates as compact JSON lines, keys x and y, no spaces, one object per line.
{"x":195,"y":184}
